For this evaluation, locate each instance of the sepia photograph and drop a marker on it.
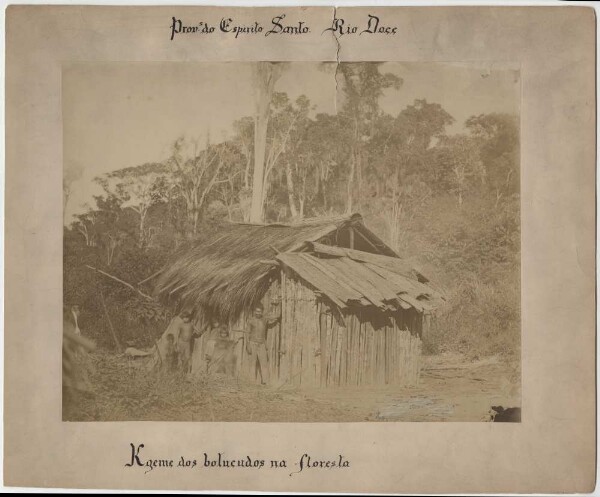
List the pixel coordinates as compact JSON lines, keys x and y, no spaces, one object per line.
{"x":301,"y":248}
{"x":291,"y":242}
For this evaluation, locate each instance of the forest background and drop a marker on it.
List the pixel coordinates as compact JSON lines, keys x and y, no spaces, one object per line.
{"x":446,"y":197}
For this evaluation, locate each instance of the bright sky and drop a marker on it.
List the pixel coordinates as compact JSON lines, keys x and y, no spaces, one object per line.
{"x":118,"y":115}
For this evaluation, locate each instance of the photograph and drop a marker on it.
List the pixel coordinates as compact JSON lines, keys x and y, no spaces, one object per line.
{"x":291,"y":241}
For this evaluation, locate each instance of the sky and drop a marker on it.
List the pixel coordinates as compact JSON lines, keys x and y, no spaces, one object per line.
{"x":119,"y":115}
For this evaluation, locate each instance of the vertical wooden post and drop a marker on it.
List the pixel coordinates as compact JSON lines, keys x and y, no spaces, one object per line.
{"x":284,"y":328}
{"x":324,"y":348}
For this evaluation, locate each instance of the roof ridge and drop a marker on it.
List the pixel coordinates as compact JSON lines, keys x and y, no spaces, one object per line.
{"x":308,"y":221}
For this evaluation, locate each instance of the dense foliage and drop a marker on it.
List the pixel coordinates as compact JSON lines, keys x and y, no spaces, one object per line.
{"x":448,"y":202}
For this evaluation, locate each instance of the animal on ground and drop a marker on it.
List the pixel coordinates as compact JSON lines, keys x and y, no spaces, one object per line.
{"x":499,"y":414}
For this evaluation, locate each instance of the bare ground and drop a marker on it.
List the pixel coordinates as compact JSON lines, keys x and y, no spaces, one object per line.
{"x":450,"y":389}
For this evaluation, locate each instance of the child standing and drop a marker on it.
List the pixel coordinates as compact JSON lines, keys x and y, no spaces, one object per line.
{"x":171,"y":356}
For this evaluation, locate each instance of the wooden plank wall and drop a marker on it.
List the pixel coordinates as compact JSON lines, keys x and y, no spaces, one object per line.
{"x":322,"y":350}
{"x":357,"y":352}
{"x":373,"y":355}
{"x":299,"y":363}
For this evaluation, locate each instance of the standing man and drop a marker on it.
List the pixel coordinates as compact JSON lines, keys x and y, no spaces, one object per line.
{"x":257,"y":336}
{"x":185,"y":336}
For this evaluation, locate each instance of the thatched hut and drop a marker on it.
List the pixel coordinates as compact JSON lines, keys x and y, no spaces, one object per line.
{"x":352,"y":311}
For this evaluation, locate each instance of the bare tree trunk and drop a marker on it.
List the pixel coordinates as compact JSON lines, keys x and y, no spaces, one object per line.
{"x":110,"y":250}
{"x":395,"y":211}
{"x":359,"y":182}
{"x":498,"y":197}
{"x":247,"y":172}
{"x":266,"y":75}
{"x":302,"y":197}
{"x":196,"y":217}
{"x":189,"y":214}
{"x":142,"y":228}
{"x":349,"y":192}
{"x":260,"y":143}
{"x":290,"y":188}
{"x":460,"y":177}
{"x":354,"y":166}
{"x":85,"y":233}
{"x":244,"y":199}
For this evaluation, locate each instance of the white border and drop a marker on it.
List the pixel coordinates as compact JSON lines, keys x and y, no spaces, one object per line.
{"x":256,"y":3}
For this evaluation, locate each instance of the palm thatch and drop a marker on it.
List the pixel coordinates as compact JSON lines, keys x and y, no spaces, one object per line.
{"x":230,"y":271}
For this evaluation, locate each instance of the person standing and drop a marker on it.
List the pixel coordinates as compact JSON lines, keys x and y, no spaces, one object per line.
{"x":185,"y":337}
{"x":221,"y":359}
{"x":256,"y":346}
{"x":171,"y":356}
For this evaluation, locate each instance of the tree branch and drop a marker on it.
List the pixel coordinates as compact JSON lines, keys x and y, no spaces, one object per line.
{"x":129,"y":285}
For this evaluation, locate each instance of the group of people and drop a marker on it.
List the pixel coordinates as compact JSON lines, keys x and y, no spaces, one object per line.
{"x":219,"y":348}
{"x":220,"y":358}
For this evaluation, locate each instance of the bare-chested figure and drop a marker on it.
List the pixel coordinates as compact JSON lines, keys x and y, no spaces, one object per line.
{"x":221,"y":358}
{"x":257,"y":336}
{"x":185,"y":333}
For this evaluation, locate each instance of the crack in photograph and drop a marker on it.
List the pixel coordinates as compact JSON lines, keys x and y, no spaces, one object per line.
{"x":291,"y":241}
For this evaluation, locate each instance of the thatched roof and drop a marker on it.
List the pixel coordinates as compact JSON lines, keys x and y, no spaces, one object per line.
{"x":230,"y":270}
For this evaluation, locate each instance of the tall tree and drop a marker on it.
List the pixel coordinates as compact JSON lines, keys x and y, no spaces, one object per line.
{"x":266,"y":75}
{"x":194,"y":174}
{"x":244,"y":140}
{"x":498,"y":139}
{"x":85,"y":224}
{"x":229,"y":189}
{"x":313,"y":163}
{"x":460,"y":158}
{"x":402,"y":146}
{"x":288,"y":125}
{"x":138,"y":188}
{"x":400,"y":152}
{"x":362,"y":85}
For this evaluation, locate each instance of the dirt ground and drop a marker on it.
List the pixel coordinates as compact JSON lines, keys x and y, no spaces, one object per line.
{"x":450,"y":389}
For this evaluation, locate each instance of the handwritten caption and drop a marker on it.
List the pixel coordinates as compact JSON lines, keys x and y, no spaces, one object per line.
{"x":220,"y":460}
{"x":371,"y":25}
